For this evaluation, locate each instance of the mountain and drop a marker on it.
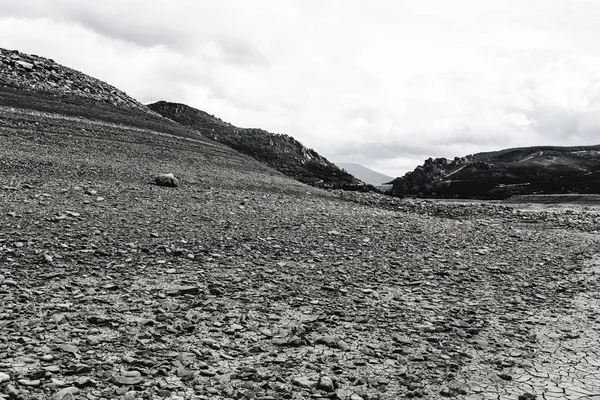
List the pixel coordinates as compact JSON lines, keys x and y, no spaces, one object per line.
{"x":501,"y":174}
{"x":279,"y":151}
{"x":365,"y":174}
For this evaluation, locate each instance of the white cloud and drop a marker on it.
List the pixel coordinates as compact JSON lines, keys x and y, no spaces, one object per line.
{"x":383,"y":83}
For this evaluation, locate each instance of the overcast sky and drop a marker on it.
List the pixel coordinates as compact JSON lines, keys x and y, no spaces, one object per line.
{"x":382,"y":83}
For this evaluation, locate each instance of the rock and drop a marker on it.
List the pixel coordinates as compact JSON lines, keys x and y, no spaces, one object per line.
{"x":65,"y":394}
{"x":58,"y":318}
{"x":85,"y":381}
{"x":25,"y":65}
{"x":55,"y":383}
{"x":128,"y":359}
{"x":128,"y":378}
{"x":326,"y":384}
{"x":168,"y":180}
{"x":505,"y":377}
{"x":130,"y":395}
{"x":11,"y":391}
{"x":69,"y":348}
{"x":343,"y":394}
{"x":527,"y":396}
{"x":342,"y":345}
{"x":4,"y":377}
{"x":304,"y":382}
{"x":28,"y":382}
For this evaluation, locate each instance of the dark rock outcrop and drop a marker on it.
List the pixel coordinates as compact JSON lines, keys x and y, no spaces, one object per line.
{"x":279,"y":151}
{"x":501,"y":174}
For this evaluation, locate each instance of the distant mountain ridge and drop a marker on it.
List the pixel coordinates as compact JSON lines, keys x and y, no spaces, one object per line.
{"x":501,"y":174}
{"x":279,"y":151}
{"x":367,"y":175}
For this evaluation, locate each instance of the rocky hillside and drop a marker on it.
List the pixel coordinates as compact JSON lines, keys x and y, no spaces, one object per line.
{"x":31,"y":72}
{"x":501,"y":174}
{"x":279,"y":151}
{"x":54,"y":118}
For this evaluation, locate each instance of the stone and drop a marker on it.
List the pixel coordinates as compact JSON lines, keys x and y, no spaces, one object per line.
{"x":4,"y":377}
{"x":527,"y":396}
{"x":28,"y":382}
{"x":26,"y":65}
{"x":11,"y":391}
{"x":168,"y":180}
{"x":66,"y":393}
{"x":304,"y":382}
{"x":326,"y":384}
{"x":505,"y":377}
{"x":128,"y":378}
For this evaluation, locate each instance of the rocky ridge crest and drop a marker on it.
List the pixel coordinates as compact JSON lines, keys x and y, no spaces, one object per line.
{"x":32,"y":72}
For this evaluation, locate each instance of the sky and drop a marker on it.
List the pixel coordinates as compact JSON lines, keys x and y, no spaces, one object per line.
{"x":386,"y":84}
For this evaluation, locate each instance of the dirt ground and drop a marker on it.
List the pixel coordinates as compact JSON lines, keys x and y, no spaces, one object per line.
{"x":243,"y":284}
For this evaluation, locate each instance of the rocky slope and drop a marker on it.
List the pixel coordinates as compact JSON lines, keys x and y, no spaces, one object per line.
{"x":501,"y":174}
{"x":31,"y":72}
{"x":279,"y":151}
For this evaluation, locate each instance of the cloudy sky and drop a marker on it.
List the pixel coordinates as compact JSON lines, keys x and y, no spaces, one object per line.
{"x":385,"y":83}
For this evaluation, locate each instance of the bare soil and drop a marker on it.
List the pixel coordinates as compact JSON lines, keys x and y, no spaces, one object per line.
{"x":244,"y":284}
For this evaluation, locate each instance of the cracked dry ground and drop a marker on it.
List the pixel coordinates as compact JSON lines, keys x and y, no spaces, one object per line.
{"x":144,"y":292}
{"x":242,"y":284}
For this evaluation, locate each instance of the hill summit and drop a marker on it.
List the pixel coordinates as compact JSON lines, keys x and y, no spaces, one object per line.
{"x":279,"y":151}
{"x":34,"y":73}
